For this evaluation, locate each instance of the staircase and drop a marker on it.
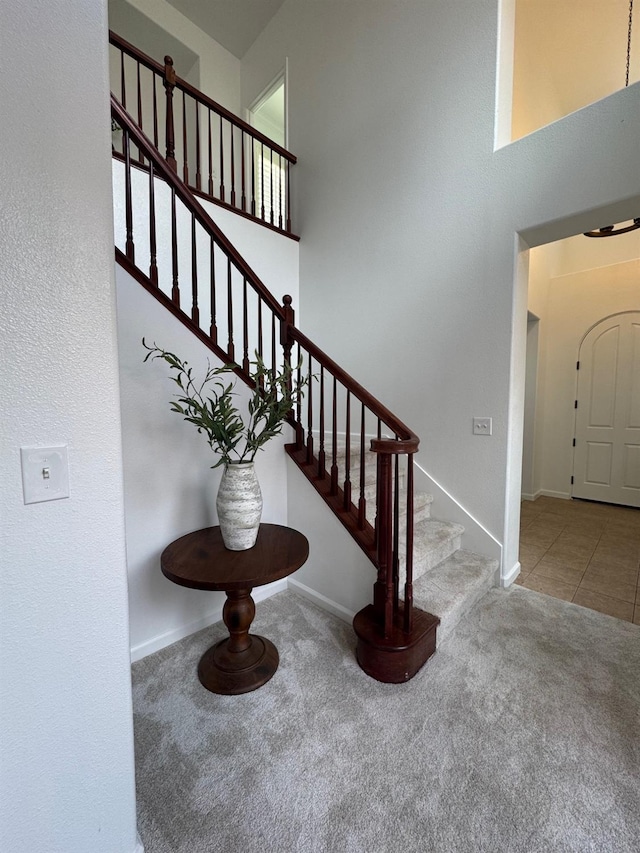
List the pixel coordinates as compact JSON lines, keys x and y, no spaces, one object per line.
{"x":356,"y":453}
{"x":447,"y":580}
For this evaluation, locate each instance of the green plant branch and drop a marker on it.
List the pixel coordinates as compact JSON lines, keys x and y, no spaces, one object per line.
{"x":209,"y":405}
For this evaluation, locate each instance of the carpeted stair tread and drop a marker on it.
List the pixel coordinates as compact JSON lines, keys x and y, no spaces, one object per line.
{"x":453,"y":587}
{"x":421,"y":506}
{"x":433,"y":542}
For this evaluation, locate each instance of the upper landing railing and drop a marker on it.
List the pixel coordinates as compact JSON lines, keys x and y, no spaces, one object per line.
{"x":218,"y":155}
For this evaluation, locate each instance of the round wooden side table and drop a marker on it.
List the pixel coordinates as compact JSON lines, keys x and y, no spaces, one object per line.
{"x":242,"y":661}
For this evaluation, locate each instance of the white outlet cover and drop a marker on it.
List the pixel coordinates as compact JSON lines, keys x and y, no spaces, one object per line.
{"x":482,"y":426}
{"x":45,"y":473}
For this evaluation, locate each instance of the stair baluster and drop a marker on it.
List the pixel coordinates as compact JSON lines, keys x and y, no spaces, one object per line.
{"x":153,"y":248}
{"x":169,"y":85}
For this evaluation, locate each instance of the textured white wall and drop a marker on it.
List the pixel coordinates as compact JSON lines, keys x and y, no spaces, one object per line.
{"x":409,"y":218}
{"x":66,"y":766}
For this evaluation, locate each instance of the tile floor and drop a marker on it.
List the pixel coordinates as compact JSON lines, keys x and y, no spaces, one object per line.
{"x":584,"y":552}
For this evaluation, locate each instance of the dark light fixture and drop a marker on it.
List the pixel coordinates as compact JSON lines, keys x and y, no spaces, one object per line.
{"x":612,"y":230}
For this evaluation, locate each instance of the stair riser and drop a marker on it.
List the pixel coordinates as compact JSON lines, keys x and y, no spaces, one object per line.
{"x":422,"y":510}
{"x":432,"y":557}
{"x":435,"y":556}
{"x":450,"y":620}
{"x":454,"y":587}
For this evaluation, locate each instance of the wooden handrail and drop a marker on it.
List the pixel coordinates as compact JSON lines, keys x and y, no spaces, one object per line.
{"x":180,"y":83}
{"x":188,"y":199}
{"x":136,"y":53}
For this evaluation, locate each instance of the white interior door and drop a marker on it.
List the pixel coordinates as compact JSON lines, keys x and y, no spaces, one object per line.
{"x":606,"y":465}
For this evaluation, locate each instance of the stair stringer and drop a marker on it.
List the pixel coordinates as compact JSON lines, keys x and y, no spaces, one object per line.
{"x":338,"y":576}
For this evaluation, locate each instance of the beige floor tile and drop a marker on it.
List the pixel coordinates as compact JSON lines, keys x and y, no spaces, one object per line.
{"x":556,"y":505}
{"x":575,"y":543}
{"x":604,"y":604}
{"x":609,"y":587}
{"x":636,"y":615}
{"x":623,"y":532}
{"x":616,"y":554}
{"x":550,"y":586}
{"x":611,"y":571}
{"x":551,"y":521}
{"x":589,"y":548}
{"x":530,"y":556}
{"x":552,"y":569}
{"x":624,"y":515}
{"x":528,"y":565}
{"x":540,"y":538}
{"x":583,"y":528}
{"x":577,"y":562}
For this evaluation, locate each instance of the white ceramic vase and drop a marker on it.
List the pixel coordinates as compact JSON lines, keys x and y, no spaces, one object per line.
{"x":239,"y":505}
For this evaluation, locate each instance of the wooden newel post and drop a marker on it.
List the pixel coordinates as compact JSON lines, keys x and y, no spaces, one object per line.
{"x":286,"y":324}
{"x":285,"y":328}
{"x":383,"y":587}
{"x":169,"y":85}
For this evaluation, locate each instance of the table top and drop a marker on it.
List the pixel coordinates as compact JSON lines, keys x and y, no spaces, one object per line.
{"x":200,"y":560}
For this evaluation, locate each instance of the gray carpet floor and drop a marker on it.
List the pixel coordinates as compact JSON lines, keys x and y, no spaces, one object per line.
{"x":522,"y":733}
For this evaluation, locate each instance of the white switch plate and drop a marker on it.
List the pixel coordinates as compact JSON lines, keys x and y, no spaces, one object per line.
{"x":45,"y":473}
{"x":482,"y":426}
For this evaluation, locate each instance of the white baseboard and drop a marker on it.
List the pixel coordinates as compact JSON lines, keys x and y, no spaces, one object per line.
{"x":142,"y":650}
{"x":548,"y":493}
{"x":321,"y":600}
{"x":509,"y":578}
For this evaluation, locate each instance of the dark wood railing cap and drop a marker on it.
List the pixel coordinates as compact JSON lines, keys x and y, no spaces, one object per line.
{"x":169,"y":72}
{"x":395,"y":445}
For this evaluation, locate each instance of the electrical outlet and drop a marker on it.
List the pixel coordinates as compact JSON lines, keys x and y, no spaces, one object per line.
{"x":482,"y":426}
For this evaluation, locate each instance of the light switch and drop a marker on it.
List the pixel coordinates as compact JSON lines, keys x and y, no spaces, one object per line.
{"x":45,"y":473}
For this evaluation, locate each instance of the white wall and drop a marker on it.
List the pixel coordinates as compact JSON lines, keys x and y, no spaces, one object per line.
{"x":337,"y":576}
{"x":66,"y":741}
{"x":409,"y":218}
{"x":530,"y":394}
{"x":574,"y":303}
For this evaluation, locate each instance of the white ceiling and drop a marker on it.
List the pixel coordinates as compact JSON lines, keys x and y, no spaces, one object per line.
{"x":235,"y":24}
